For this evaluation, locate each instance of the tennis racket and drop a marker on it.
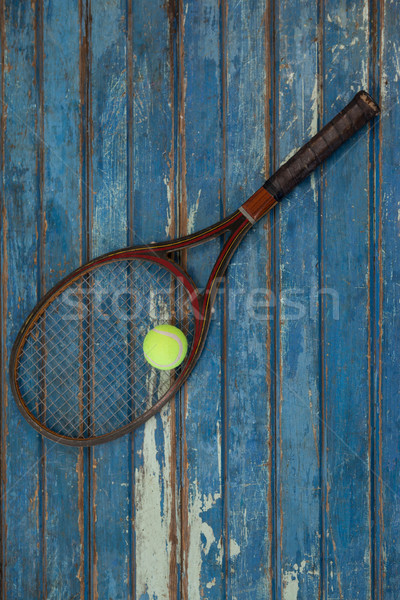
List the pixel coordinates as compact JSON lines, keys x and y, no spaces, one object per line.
{"x":77,"y":368}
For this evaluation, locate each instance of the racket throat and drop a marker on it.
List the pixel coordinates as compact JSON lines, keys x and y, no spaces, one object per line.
{"x":202,"y":301}
{"x":217,"y":276}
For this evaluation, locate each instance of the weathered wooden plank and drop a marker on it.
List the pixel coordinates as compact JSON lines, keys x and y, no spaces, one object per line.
{"x":387,"y":372}
{"x":60,"y":243}
{"x":248,"y":333}
{"x":61,"y":502}
{"x":201,"y":203}
{"x":345,"y":315}
{"x":111,"y":474}
{"x":297,"y":368}
{"x":20,"y":214}
{"x":86,"y":477}
{"x":152,"y":163}
{"x":3,"y":307}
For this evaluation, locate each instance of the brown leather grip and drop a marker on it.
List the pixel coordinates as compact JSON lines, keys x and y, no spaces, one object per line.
{"x":354,"y":116}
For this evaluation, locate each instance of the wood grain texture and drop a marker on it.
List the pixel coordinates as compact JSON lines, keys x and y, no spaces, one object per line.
{"x":201,"y":166}
{"x":112,"y":569}
{"x":274,"y":473}
{"x":60,"y":243}
{"x":387,"y":373}
{"x":247,"y":324}
{"x":298,"y":415}
{"x":345,"y":269}
{"x":153,"y":162}
{"x":22,"y":562}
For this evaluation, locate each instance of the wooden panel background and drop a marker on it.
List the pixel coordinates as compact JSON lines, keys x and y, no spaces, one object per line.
{"x":275,"y":473}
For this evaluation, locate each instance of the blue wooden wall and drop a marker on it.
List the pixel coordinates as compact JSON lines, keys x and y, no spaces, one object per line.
{"x":275,"y":473}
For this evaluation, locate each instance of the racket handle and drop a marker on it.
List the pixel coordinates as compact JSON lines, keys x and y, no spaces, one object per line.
{"x":346,"y":123}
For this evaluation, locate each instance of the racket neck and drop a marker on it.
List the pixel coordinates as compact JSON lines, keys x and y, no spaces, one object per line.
{"x":242,"y":226}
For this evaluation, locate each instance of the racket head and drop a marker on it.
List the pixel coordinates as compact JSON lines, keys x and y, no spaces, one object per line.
{"x":77,"y":367}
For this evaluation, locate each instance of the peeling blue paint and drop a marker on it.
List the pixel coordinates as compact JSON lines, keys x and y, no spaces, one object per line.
{"x":275,"y":472}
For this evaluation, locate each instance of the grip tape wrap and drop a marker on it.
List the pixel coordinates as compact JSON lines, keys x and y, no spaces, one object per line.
{"x":352,"y":118}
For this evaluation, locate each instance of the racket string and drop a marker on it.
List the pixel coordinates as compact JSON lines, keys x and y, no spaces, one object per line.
{"x":82,"y":371}
{"x":58,"y":376}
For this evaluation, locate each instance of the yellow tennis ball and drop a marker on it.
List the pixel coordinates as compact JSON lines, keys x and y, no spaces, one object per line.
{"x":165,"y":347}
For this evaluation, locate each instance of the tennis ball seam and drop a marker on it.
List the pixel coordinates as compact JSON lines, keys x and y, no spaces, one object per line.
{"x":180,"y":345}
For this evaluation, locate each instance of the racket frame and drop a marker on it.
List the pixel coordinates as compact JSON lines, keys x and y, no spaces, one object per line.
{"x":237,"y":224}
